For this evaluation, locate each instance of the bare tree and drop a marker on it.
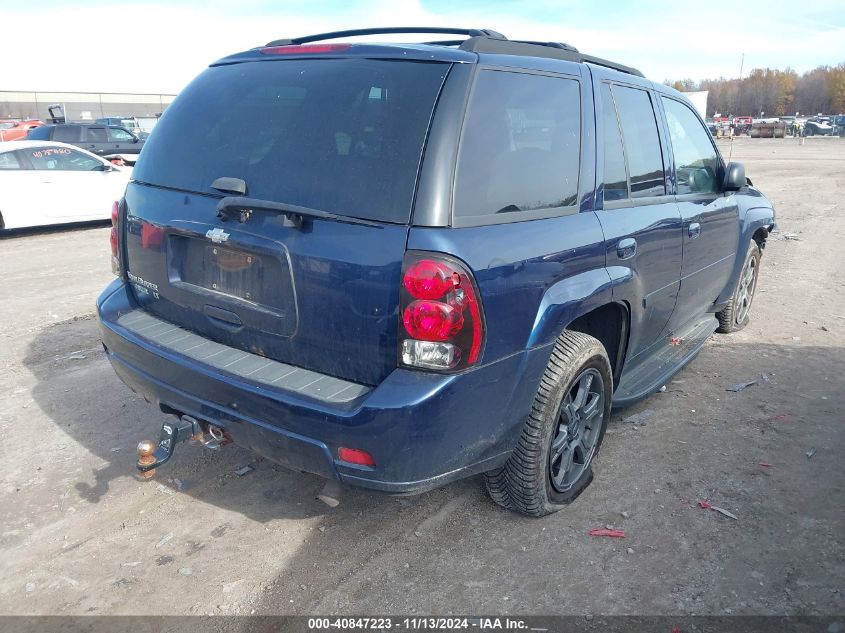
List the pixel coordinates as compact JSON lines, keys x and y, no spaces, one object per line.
{"x":773,"y":92}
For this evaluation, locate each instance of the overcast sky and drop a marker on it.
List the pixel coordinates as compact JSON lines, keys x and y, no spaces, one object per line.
{"x":127,"y":46}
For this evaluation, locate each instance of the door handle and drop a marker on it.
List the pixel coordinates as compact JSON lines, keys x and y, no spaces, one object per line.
{"x":694,"y":230}
{"x":626,"y":248}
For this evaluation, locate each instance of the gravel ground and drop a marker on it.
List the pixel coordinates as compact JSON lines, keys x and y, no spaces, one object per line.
{"x":82,"y":535}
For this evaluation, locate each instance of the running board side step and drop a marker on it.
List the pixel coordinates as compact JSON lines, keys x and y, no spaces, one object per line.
{"x":667,"y":358}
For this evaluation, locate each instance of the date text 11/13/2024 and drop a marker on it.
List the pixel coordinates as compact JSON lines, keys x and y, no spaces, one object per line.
{"x":419,"y":624}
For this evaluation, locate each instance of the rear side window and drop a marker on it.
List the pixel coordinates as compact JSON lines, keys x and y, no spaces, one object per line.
{"x":615,"y":176}
{"x":67,"y":133}
{"x":340,"y":135}
{"x":521,"y":146}
{"x":96,"y":135}
{"x":642,"y":143}
{"x":697,"y":165}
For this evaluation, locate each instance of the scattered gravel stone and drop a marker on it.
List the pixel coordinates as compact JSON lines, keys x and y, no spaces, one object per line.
{"x":638,"y":418}
{"x":164,"y":539}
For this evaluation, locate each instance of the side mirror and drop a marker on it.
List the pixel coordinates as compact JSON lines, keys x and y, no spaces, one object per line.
{"x":135,"y":139}
{"x":104,"y":168}
{"x":734,"y":177}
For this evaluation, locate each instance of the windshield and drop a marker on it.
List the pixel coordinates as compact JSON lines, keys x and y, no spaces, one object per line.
{"x":341,"y":135}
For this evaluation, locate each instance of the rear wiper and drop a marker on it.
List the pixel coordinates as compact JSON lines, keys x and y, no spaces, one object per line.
{"x":241,"y":208}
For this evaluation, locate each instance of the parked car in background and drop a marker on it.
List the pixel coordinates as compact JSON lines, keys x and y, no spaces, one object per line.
{"x":838,"y":123}
{"x":43,"y":183}
{"x":12,"y":130}
{"x":818,"y":126}
{"x":103,"y":140}
{"x":130,"y":123}
{"x":426,"y":262}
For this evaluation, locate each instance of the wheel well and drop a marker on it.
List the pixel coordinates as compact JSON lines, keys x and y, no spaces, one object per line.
{"x":760,"y":236}
{"x":608,"y":324}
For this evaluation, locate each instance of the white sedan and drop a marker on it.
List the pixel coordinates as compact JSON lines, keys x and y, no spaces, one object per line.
{"x":44,"y":183}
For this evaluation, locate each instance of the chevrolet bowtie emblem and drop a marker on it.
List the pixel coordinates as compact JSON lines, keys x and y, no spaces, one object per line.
{"x":217,"y":236}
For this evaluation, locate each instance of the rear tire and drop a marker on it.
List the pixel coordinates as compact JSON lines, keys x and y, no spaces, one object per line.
{"x":552,"y":462}
{"x":736,"y":314}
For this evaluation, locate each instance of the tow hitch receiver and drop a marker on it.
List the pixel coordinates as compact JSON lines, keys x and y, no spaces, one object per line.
{"x":151,"y":456}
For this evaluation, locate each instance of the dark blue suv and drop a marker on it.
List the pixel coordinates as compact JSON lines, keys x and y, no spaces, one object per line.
{"x":398,"y":265}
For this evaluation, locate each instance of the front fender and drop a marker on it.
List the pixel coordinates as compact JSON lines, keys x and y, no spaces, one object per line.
{"x":565,"y":301}
{"x":753,"y":219}
{"x":756,"y":218}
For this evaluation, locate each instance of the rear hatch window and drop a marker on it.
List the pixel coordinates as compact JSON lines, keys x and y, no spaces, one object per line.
{"x":344,"y":136}
{"x":341,"y":135}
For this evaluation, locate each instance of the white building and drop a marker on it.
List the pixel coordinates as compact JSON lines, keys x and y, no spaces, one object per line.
{"x":81,"y":106}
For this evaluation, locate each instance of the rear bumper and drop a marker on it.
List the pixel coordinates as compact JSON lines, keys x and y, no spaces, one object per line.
{"x":423,"y":430}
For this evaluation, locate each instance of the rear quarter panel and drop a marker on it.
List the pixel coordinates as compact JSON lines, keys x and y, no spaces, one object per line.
{"x":534,"y":277}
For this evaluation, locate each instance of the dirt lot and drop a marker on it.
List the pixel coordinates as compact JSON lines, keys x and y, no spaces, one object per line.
{"x":81,"y":535}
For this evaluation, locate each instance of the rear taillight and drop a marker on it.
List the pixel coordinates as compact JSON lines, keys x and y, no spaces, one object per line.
{"x":113,"y":239}
{"x":441,"y":322}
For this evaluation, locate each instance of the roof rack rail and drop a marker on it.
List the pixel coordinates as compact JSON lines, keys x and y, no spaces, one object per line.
{"x":598,"y":61}
{"x":478,"y":40}
{"x":555,"y":50}
{"x":487,"y":33}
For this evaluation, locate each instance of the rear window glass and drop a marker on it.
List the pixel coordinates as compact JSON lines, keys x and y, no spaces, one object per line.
{"x":340,"y":135}
{"x":521,"y":145}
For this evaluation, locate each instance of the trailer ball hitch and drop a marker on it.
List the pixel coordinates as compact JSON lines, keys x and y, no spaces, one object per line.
{"x":151,"y":456}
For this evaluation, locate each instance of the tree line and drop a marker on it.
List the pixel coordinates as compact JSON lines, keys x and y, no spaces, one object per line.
{"x":773,"y":92}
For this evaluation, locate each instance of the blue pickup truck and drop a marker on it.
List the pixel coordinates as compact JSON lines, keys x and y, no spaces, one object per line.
{"x":397,"y":265}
